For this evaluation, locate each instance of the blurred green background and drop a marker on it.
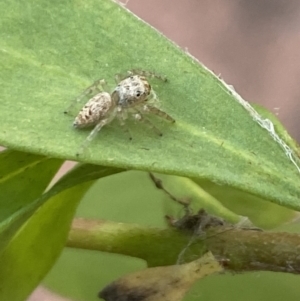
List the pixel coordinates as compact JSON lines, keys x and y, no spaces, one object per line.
{"x":131,"y":197}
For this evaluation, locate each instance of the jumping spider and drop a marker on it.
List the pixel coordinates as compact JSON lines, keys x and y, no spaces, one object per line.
{"x":133,"y":96}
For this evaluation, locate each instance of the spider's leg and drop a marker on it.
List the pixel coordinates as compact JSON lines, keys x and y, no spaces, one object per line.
{"x":147,"y":73}
{"x":97,"y":87}
{"x":121,"y":115}
{"x":119,"y":77}
{"x":158,"y":112}
{"x":139,"y":116}
{"x":92,"y":135}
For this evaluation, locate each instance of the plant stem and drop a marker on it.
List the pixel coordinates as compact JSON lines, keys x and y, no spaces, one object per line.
{"x":236,"y":249}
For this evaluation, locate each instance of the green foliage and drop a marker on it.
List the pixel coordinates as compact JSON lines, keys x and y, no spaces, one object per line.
{"x":40,"y":225}
{"x":52,"y":50}
{"x":116,"y":199}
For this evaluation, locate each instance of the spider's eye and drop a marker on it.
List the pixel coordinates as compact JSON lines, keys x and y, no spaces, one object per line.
{"x":138,"y":93}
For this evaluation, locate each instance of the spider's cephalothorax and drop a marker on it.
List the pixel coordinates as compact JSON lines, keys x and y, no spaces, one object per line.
{"x":131,"y":91}
{"x":132,"y":96}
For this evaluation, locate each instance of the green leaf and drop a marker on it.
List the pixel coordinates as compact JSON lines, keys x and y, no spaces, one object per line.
{"x":188,"y":192}
{"x":36,"y":245}
{"x":52,"y":50}
{"x":23,"y":178}
{"x":263,"y":214}
{"x":206,"y":195}
{"x":282,"y":132}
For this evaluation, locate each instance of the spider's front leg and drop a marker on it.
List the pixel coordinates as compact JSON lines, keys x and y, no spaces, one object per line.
{"x":97,"y":87}
{"x":122,"y":116}
{"x":119,"y":77}
{"x":158,"y":112}
{"x":93,"y":134}
{"x":147,"y":73}
{"x":139,"y":116}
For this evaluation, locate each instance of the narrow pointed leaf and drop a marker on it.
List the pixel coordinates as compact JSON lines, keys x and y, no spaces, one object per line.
{"x":34,"y":248}
{"x":23,"y":179}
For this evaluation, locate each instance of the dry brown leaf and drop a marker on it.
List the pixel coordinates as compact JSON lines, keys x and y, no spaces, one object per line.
{"x":169,"y":283}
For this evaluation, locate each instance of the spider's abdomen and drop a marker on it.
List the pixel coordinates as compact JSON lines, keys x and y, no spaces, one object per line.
{"x":96,"y":109}
{"x":132,"y":91}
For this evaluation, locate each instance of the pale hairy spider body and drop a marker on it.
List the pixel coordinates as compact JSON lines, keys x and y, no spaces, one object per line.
{"x":132,"y":91}
{"x":96,"y":109}
{"x":133,"y":96}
